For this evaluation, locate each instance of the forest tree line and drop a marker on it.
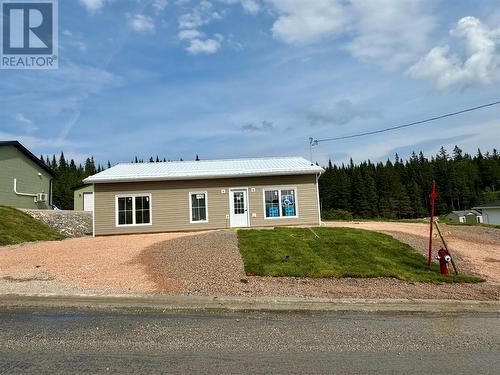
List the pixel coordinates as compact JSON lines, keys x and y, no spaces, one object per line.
{"x":69,"y":175}
{"x":399,"y":189}
{"x":395,"y":189}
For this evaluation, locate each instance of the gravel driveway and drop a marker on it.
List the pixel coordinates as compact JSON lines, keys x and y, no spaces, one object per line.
{"x":85,"y":265}
{"x":210,"y":264}
{"x":476,"y":249}
{"x":186,"y":263}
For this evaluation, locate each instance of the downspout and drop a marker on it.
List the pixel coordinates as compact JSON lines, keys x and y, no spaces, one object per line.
{"x":23,"y":194}
{"x":50,"y":193}
{"x":317,"y":197}
{"x":93,"y":212}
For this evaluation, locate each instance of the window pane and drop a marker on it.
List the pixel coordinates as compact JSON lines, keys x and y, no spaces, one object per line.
{"x":239,"y":202}
{"x":202,"y":213}
{"x":128,"y":217}
{"x":272,"y":203}
{"x":146,"y":217}
{"x":198,"y":207}
{"x":125,"y":210}
{"x":138,"y":203}
{"x":288,"y":202}
{"x":142,"y":210}
{"x":138,"y":217}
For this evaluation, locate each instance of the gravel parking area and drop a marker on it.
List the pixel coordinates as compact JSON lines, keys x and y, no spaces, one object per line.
{"x":210,"y":264}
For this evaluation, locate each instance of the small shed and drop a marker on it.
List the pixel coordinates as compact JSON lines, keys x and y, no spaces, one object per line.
{"x":83,"y":195}
{"x":466,"y":216}
{"x":490,"y":212}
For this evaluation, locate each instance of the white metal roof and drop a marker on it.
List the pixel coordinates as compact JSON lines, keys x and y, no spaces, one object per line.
{"x":188,"y":170}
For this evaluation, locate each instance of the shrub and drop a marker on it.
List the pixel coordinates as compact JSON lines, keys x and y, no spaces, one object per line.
{"x":334,"y":214}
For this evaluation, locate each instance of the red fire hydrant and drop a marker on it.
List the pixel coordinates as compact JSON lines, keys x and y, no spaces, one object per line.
{"x":444,"y":258}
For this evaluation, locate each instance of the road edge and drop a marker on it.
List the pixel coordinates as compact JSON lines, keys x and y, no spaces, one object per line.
{"x":163,"y":303}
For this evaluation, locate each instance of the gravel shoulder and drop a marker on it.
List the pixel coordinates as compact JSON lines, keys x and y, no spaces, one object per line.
{"x":210,"y":264}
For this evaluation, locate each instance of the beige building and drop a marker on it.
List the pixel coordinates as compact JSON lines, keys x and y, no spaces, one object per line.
{"x":199,"y":195}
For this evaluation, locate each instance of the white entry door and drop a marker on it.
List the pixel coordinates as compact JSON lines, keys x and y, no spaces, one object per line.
{"x":88,"y":201}
{"x":239,"y":208}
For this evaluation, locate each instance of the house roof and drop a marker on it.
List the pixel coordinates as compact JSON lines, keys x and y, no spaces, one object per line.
{"x":29,"y":155}
{"x":466,"y":212}
{"x":79,"y":186}
{"x":495,"y":204}
{"x":189,"y":170}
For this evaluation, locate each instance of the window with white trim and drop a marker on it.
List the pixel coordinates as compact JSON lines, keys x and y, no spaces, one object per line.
{"x":198,"y":207}
{"x":133,"y":210}
{"x":280,"y":203}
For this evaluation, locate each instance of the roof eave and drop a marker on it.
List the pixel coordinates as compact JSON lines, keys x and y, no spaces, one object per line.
{"x":90,"y":180}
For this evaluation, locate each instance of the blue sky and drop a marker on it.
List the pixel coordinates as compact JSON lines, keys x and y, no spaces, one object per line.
{"x":248,"y":78}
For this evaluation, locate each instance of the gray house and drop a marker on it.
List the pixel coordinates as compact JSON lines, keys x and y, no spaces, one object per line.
{"x":490,"y":212}
{"x":25,"y":181}
{"x":466,"y":216}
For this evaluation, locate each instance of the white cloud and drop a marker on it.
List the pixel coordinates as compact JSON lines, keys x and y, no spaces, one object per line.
{"x":302,"y":21}
{"x":264,"y":126}
{"x":388,"y":32}
{"x":142,"y":23}
{"x":249,"y":6}
{"x":338,"y":113}
{"x":93,"y":6}
{"x":478,"y":65}
{"x":25,"y":122}
{"x":206,"y":46}
{"x":19,"y":117}
{"x":159,"y":5}
{"x":189,"y":34}
{"x":200,"y":15}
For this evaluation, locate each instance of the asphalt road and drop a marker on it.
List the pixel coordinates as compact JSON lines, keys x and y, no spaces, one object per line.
{"x":131,"y":342}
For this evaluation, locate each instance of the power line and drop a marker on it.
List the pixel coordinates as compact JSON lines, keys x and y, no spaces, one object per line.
{"x":314,"y":142}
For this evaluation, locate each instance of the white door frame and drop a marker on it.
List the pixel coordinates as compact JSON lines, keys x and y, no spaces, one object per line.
{"x":231,"y":207}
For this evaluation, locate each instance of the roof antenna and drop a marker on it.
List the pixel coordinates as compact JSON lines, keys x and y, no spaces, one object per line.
{"x":312,"y":142}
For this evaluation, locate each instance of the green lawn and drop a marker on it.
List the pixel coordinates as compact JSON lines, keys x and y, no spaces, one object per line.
{"x":17,"y":227}
{"x":338,"y":252}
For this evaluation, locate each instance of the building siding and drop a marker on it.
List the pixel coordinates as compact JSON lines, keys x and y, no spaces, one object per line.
{"x":14,"y":164}
{"x":78,"y":196}
{"x":170,"y":203}
{"x":491,"y":215}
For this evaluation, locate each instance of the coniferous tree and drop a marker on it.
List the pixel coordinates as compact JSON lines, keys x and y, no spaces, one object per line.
{"x":401,"y":189}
